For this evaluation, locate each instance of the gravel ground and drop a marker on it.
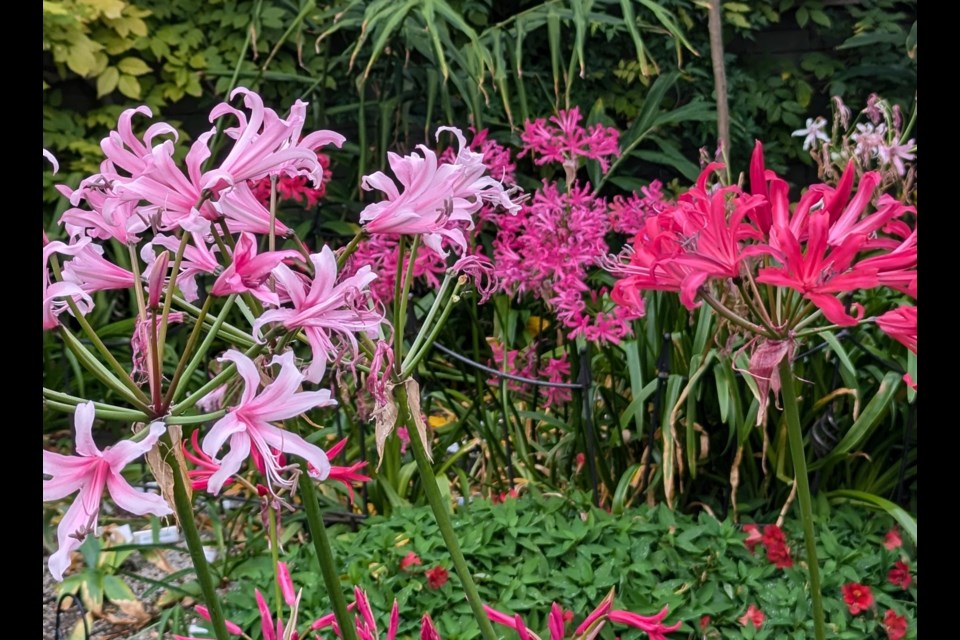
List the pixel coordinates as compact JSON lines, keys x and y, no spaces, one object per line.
{"x":103,"y":629}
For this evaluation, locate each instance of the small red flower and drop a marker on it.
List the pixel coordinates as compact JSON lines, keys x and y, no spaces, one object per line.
{"x":892,"y":540}
{"x":894,"y":625}
{"x":705,"y":622}
{"x":409,"y":560}
{"x":436,"y":577}
{"x":900,"y":576}
{"x":778,"y":551}
{"x":753,"y":615}
{"x":858,"y":597}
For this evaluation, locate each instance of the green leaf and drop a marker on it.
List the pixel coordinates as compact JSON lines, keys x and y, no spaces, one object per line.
{"x":904,"y":519}
{"x":116,"y":590}
{"x":133,"y":66}
{"x":820,"y":18}
{"x":129,"y":86}
{"x":838,"y":349}
{"x":107,"y":81}
{"x":861,"y":429}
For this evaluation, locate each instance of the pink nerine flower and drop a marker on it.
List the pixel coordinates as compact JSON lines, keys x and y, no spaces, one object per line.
{"x":652,"y":625}
{"x":244,"y":212}
{"x":326,"y":310}
{"x":90,"y":472}
{"x":366,"y":625}
{"x":92,"y":272}
{"x":438,"y":200}
{"x":248,"y":427}
{"x":55,"y":294}
{"x":248,"y":272}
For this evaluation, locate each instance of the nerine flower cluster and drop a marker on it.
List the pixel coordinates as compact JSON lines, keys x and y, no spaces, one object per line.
{"x":203,"y":232}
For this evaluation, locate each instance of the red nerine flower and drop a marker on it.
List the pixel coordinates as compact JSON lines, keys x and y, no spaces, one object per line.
{"x":894,"y":625}
{"x":858,"y":597}
{"x":900,"y":576}
{"x":436,"y":577}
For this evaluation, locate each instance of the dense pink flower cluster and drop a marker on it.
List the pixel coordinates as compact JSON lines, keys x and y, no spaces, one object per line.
{"x":548,"y":249}
{"x":836,"y":240}
{"x":211,"y":218}
{"x":628,"y":215}
{"x":527,"y":364}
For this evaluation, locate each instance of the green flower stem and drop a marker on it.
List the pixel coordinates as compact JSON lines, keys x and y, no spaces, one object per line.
{"x":321,"y":543}
{"x":137,"y":283}
{"x":214,"y":382}
{"x":94,"y":366}
{"x":176,"y":389}
{"x":758,"y":310}
{"x":97,"y":342}
{"x":405,"y":293}
{"x":199,"y":418}
{"x":397,"y":293}
{"x":734,"y":318}
{"x":792,"y":414}
{"x":68,"y":404}
{"x":195,"y":545}
{"x":806,"y":317}
{"x":413,"y":359}
{"x":349,"y":249}
{"x":431,"y":314}
{"x":441,"y":515}
{"x":187,"y":352}
{"x":227,"y":329}
{"x":272,"y":238}
{"x":275,"y":557}
{"x":757,"y":305}
{"x":168,"y":299}
{"x":816,"y":330}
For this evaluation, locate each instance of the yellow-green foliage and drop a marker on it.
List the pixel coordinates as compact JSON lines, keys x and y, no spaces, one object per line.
{"x":94,"y":38}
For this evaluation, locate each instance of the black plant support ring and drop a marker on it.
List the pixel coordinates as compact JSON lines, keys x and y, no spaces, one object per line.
{"x":663,"y":374}
{"x":58,"y":633}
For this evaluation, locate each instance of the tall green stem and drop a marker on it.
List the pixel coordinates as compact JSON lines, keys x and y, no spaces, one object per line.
{"x":442,"y":517}
{"x":195,"y":546}
{"x":275,"y":557}
{"x":321,"y":543}
{"x":792,"y":414}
